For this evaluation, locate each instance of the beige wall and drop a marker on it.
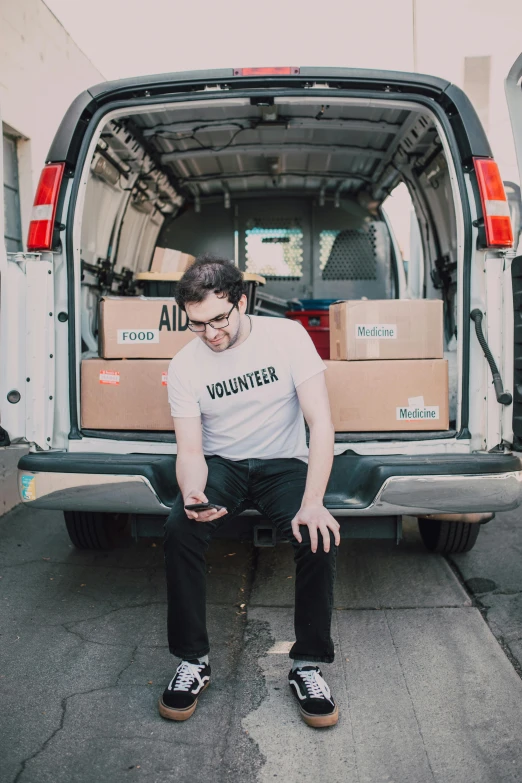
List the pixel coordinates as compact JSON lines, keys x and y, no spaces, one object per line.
{"x":41,"y":72}
{"x":453,"y":30}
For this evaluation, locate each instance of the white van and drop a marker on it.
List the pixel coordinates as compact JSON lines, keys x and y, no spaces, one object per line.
{"x":203,"y":161}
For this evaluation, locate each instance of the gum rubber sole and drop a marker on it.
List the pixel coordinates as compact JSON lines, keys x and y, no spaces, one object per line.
{"x":320,"y":721}
{"x":183,"y":714}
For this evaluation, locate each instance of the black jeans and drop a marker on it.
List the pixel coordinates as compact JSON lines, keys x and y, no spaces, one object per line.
{"x":275,"y":487}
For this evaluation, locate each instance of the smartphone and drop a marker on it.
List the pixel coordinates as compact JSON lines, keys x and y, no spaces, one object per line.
{"x":202,"y":507}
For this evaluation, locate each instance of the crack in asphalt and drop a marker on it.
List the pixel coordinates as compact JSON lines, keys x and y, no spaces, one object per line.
{"x":64,"y":705}
{"x":128,"y":665}
{"x":69,"y":627}
{"x":113,"y":611}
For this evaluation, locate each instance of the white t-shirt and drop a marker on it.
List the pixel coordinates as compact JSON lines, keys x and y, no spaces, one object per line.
{"x":246,"y":395}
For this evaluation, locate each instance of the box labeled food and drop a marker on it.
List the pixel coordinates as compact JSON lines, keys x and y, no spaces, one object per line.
{"x":137,"y":327}
{"x":387,"y":396}
{"x":365,"y":330}
{"x":166,"y":259}
{"x":125,"y":394}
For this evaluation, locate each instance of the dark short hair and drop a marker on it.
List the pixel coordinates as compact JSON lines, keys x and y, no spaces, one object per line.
{"x":210,"y":274}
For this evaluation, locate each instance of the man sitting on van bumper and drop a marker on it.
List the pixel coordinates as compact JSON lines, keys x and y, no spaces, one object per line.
{"x":238,"y":395}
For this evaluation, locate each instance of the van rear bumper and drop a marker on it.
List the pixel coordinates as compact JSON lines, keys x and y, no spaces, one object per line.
{"x":359,"y":485}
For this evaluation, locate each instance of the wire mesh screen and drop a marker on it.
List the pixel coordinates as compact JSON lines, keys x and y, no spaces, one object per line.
{"x":350,"y":254}
{"x":326,"y":240}
{"x":274,"y":248}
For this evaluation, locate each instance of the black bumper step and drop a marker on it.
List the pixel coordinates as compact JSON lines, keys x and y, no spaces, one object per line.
{"x":355,"y":479}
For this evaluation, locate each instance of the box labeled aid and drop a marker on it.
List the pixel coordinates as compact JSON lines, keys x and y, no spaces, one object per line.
{"x":365,"y":330}
{"x":139,"y":327}
{"x":376,"y":396}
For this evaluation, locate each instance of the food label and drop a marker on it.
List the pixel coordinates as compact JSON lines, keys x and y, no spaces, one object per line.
{"x":164,"y":376}
{"x":376,"y":331}
{"x":129,"y":336}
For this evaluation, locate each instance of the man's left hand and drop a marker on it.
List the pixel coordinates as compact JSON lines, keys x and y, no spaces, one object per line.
{"x":318,"y":520}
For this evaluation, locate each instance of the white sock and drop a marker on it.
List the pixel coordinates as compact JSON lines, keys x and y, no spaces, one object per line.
{"x":201,"y":659}
{"x":299,"y":664}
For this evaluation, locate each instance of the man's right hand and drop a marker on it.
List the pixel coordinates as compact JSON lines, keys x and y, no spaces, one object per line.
{"x":201,"y":516}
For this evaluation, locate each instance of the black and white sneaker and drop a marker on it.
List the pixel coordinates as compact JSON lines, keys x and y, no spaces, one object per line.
{"x":180,"y":697}
{"x":317,"y":706}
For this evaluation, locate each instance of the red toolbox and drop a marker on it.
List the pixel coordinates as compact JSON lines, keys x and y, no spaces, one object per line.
{"x":317,"y":324}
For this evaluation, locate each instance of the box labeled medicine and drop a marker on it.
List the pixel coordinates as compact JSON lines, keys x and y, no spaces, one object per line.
{"x":364,"y":330}
{"x":139,"y":327}
{"x":387,"y":396}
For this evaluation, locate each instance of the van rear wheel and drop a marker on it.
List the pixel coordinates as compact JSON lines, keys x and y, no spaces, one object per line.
{"x":94,"y":530}
{"x":448,"y":537}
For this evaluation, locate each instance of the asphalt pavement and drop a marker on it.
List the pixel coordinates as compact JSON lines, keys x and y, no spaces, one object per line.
{"x":427,"y":669}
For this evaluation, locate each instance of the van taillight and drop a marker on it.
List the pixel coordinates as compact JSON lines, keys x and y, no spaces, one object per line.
{"x":44,"y":208}
{"x":495,"y":207}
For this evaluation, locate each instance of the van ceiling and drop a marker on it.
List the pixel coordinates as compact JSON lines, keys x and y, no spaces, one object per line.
{"x":240,"y":149}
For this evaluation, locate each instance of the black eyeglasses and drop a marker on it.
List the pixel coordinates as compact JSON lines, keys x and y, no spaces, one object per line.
{"x":221,"y":322}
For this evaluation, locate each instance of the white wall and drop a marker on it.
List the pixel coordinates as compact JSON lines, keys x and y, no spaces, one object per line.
{"x":41,"y":72}
{"x":452,"y":30}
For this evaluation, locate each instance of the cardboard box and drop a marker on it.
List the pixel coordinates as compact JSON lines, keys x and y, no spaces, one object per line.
{"x":166,"y":259}
{"x":386,"y":329}
{"x":137,"y":327}
{"x":125,"y":394}
{"x":388,"y":396}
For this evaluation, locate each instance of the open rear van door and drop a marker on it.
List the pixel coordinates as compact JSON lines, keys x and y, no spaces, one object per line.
{"x":514,"y":100}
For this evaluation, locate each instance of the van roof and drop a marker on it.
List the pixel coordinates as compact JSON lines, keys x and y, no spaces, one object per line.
{"x":471,"y":139}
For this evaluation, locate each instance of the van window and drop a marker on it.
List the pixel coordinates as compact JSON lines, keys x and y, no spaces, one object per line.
{"x":13,"y":225}
{"x":274,"y":251}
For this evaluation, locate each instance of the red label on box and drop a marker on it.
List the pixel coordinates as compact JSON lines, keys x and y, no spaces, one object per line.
{"x":110,"y":376}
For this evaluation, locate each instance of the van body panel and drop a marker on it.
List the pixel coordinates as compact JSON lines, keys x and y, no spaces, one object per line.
{"x":28,"y":348}
{"x":375,"y":477}
{"x":68,"y":138}
{"x":513,"y":418}
{"x":13,"y":309}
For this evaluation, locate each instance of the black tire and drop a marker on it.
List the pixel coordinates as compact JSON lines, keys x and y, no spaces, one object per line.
{"x":448,"y":537}
{"x":94,"y":530}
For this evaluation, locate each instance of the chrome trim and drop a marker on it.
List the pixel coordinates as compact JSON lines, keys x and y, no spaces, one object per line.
{"x":93,"y":492}
{"x":412,"y":495}
{"x":448,"y":494}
